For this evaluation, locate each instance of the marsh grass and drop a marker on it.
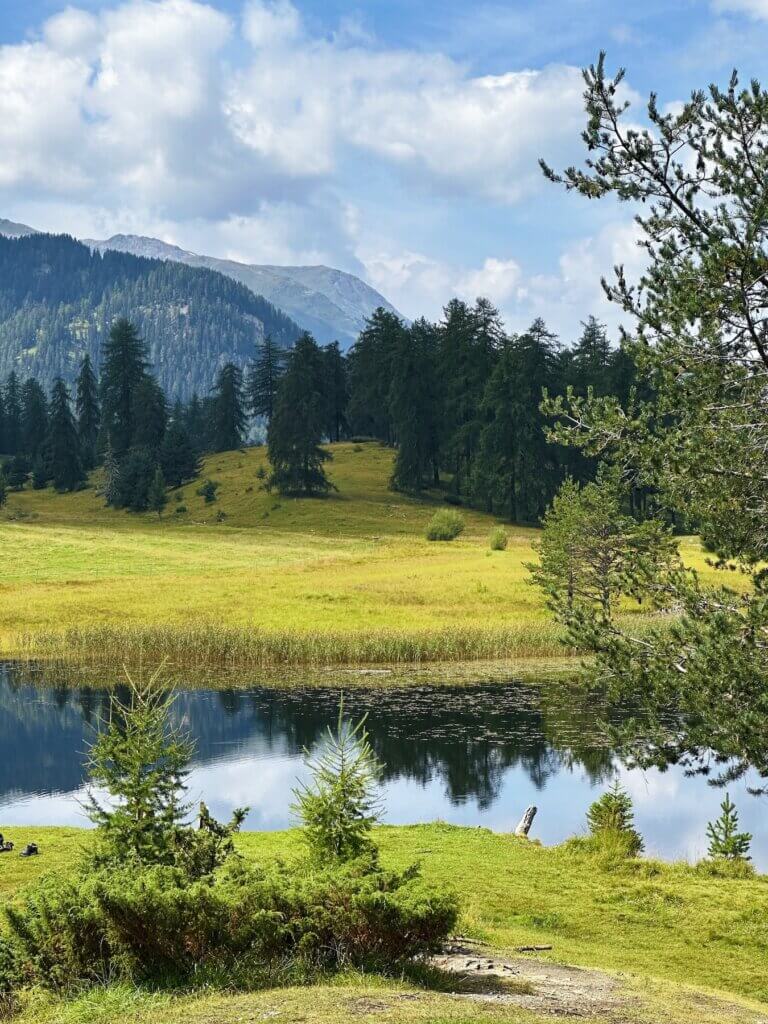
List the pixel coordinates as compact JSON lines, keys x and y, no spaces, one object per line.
{"x":214,"y":646}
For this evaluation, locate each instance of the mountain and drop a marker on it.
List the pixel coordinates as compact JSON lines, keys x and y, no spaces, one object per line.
{"x":58,"y":299}
{"x":331,"y":304}
{"x":11,"y":230}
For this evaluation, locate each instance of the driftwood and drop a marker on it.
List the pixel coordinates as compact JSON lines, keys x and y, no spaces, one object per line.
{"x":531,"y":949}
{"x":526,"y":821}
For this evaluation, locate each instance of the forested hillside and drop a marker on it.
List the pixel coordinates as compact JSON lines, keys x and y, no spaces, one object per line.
{"x":58,"y":300}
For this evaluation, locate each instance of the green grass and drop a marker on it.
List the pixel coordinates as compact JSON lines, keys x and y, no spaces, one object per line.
{"x":671,"y":930}
{"x":345,"y":579}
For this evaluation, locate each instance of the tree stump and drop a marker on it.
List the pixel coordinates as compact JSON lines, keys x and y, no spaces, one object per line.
{"x":525,"y":822}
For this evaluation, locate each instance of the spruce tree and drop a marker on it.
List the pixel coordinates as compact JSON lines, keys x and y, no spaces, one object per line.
{"x":88,"y":412}
{"x":264,"y":379}
{"x":229,"y":420}
{"x":63,"y":444}
{"x":178,"y":458}
{"x":123,"y":371}
{"x":196,"y":423}
{"x":12,"y":417}
{"x":370,"y":374}
{"x":34,"y":418}
{"x":157,"y":499}
{"x":3,"y":488}
{"x":414,"y":406}
{"x":725,"y":840}
{"x":151,"y":414}
{"x":296,"y":429}
{"x":111,"y":476}
{"x":335,"y":389}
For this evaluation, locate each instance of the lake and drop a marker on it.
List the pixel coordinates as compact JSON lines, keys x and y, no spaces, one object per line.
{"x":471,"y":755}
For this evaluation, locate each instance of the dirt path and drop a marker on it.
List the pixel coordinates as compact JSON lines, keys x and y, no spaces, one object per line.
{"x":567,"y":992}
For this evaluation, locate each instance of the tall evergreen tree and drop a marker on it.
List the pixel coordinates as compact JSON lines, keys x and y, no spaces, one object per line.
{"x":335,"y":389}
{"x":196,"y":423}
{"x":591,"y":359}
{"x":178,"y":458}
{"x":370,"y":373}
{"x":12,"y":418}
{"x":415,"y":408}
{"x":229,"y":420}
{"x":88,"y":412}
{"x":151,"y":414}
{"x":63,"y":444}
{"x":470,"y":339}
{"x":34,"y":418}
{"x":296,"y":429}
{"x":123,"y":371}
{"x":517,"y":470}
{"x":264,"y":379}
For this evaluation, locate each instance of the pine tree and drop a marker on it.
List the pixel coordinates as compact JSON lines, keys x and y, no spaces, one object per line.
{"x":88,"y":412}
{"x":111,"y":475}
{"x":12,"y":417}
{"x":142,"y":761}
{"x":469,"y":343}
{"x":123,"y":371}
{"x":229,"y":420}
{"x":151,"y":414}
{"x":196,"y":423}
{"x":591,"y":359}
{"x":17,"y":472}
{"x":335,"y":388}
{"x":612,"y":816}
{"x":339,"y":807}
{"x":34,"y":418}
{"x":178,"y":459}
{"x":296,"y":429}
{"x":264,"y":379}
{"x":370,"y":374}
{"x":63,"y":444}
{"x":517,"y":471}
{"x":725,"y":841}
{"x":157,"y":499}
{"x":414,"y":407}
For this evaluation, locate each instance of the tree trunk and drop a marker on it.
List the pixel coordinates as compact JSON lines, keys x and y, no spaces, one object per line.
{"x":525,"y":822}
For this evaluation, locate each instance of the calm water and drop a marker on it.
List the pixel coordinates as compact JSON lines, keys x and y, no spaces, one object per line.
{"x":472,"y":756}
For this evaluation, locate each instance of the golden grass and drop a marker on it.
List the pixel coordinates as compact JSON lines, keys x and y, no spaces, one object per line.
{"x":345,"y":579}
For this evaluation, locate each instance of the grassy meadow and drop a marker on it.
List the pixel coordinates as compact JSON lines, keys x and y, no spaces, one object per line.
{"x":255,"y":579}
{"x":672,"y":932}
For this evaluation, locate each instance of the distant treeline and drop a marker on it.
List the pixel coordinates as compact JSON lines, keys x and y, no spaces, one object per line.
{"x":458,"y":400}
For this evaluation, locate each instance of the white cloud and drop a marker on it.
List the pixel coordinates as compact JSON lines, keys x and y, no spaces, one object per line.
{"x":754,"y":8}
{"x":418,"y":284}
{"x":141,"y":101}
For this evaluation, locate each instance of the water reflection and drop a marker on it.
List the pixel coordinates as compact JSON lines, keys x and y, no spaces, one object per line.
{"x":472,"y":755}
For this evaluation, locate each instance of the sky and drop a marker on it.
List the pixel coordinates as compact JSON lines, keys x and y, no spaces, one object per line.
{"x":394,"y":139}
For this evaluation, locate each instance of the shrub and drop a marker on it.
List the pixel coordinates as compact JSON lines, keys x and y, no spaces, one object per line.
{"x":180,"y":510}
{"x":499,"y":539}
{"x":261,"y":473}
{"x":611,"y":821}
{"x":453,"y":499}
{"x":445,"y":525}
{"x":208,"y":490}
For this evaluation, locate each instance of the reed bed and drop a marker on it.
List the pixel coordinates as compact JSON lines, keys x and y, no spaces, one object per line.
{"x":211,"y":646}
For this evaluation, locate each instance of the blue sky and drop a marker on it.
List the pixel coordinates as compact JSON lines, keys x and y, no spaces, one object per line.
{"x":397,"y":140}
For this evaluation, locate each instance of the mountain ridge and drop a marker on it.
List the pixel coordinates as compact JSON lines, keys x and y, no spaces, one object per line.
{"x":330,"y":303}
